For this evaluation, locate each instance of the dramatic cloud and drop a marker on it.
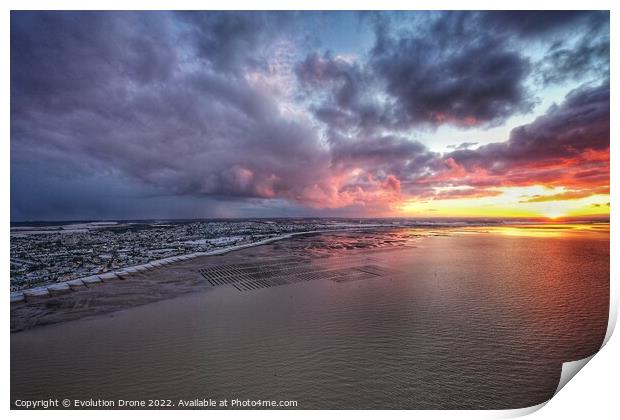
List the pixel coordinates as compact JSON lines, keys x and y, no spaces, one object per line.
{"x":195,"y":114}
{"x":532,"y":24}
{"x":452,"y":74}
{"x":180,"y":126}
{"x":568,"y":146}
{"x":346,"y":94}
{"x":568,"y":57}
{"x":590,"y":56}
{"x":448,"y":72}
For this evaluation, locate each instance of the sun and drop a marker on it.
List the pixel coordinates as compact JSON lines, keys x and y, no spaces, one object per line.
{"x":553,"y":215}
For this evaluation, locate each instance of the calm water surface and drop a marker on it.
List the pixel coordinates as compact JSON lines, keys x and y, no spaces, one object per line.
{"x":475,"y":318}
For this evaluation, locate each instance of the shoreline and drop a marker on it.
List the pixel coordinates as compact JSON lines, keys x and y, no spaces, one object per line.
{"x":68,"y":286}
{"x":51,"y":289}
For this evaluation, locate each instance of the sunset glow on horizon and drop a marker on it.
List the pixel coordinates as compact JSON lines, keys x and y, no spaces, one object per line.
{"x":511,"y":202}
{"x":337,"y":114}
{"x":588,"y":207}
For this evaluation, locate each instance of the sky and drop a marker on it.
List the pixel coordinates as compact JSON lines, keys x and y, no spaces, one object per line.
{"x":141,"y":115}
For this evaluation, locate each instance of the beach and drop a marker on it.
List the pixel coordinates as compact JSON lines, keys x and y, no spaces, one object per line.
{"x":391,"y":318}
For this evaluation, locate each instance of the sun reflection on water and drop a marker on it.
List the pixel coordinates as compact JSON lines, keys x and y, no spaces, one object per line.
{"x":549,"y":230}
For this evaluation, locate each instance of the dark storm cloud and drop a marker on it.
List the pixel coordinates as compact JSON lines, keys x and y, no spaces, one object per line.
{"x":116,"y":94}
{"x":441,"y":92}
{"x":346,"y":93}
{"x":569,"y":144}
{"x":57,"y":57}
{"x":327,"y":71}
{"x":398,"y":156}
{"x":579,"y":124}
{"x":452,"y":75}
{"x":531,"y":23}
{"x":579,"y":40}
{"x":448,"y":70}
{"x":233,"y":41}
{"x":228,"y":112}
{"x":383,"y":149}
{"x":457,"y":68}
{"x":568,"y":62}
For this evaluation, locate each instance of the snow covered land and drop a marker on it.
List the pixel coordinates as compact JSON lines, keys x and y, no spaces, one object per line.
{"x":55,"y":252}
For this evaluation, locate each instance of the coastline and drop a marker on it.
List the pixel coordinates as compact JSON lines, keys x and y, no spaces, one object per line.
{"x":49,"y":289}
{"x":55,"y":288}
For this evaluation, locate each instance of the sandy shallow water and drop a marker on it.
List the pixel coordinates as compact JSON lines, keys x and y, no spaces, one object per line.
{"x":390,"y":319}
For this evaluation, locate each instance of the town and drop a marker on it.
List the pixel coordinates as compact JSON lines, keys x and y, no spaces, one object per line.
{"x":61,"y":252}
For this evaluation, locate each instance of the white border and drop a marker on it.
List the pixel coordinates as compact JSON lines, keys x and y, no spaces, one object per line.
{"x":592,"y":394}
